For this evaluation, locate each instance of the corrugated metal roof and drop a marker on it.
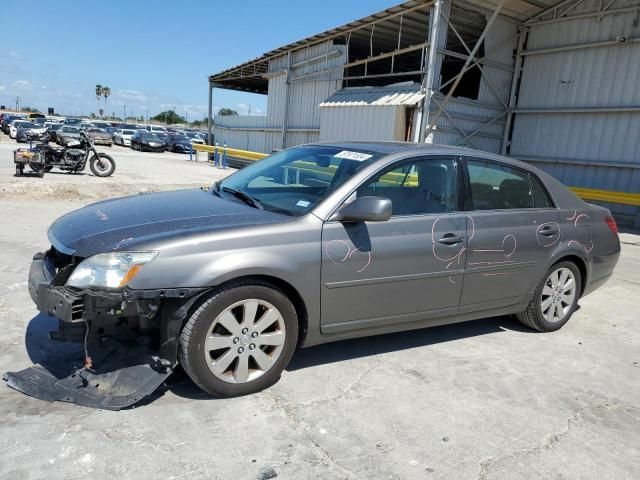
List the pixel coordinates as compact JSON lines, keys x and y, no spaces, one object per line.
{"x":407,"y":93}
{"x":412,"y":10}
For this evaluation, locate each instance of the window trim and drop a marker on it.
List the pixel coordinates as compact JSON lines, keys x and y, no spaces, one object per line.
{"x":468,"y":199}
{"x":459,"y":176}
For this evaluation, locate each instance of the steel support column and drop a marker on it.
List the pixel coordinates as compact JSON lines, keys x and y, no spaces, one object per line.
{"x":437,"y":39}
{"x":517,"y":72}
{"x":209,"y":116}
{"x":287,"y":88}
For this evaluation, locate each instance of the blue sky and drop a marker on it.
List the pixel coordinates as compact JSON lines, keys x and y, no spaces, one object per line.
{"x":154,"y":55}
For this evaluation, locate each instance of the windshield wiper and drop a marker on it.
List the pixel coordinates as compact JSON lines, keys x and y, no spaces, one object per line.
{"x":248,"y":199}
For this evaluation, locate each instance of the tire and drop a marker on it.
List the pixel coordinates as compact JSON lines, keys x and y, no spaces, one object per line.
{"x":41,"y":172}
{"x":19,"y":170}
{"x":104,"y":166}
{"x":238,"y":345}
{"x":541,"y":313}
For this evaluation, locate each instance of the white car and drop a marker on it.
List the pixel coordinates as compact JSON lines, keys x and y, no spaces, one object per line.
{"x":156,"y":129}
{"x":15,"y":125}
{"x":123,"y":137}
{"x":194,"y":137}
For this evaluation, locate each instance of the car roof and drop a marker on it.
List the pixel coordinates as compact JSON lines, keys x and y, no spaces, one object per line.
{"x":411,"y":148}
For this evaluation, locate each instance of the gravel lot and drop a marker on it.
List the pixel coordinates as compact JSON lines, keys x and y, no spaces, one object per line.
{"x":480,"y":400}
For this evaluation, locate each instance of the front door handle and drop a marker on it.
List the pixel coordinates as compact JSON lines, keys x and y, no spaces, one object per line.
{"x":450,"y":239}
{"x":549,"y":231}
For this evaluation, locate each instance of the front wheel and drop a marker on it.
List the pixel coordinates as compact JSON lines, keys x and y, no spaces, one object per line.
{"x":555,"y":299}
{"x":102,"y":165}
{"x":239,"y":340}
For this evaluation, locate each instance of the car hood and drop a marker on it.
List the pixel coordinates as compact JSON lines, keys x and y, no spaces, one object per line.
{"x":125,"y":223}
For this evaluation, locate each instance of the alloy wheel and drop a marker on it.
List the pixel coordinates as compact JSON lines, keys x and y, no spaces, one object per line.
{"x":245,"y":341}
{"x":558,"y":295}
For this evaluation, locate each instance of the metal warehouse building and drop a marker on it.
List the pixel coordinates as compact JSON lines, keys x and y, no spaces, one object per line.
{"x":554,"y":83}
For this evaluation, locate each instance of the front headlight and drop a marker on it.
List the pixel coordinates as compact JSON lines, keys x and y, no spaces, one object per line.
{"x":109,"y":270}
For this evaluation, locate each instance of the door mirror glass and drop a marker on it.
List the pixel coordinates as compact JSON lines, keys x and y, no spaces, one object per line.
{"x":365,"y":209}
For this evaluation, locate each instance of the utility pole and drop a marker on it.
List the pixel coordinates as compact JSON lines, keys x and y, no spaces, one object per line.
{"x":17,"y":103}
{"x":124,"y":113}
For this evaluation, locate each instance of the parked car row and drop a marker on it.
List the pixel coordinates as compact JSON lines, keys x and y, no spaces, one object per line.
{"x":23,"y":128}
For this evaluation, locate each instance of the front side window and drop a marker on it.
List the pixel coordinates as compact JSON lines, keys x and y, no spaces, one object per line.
{"x":295,"y":180}
{"x":421,"y":186}
{"x":498,"y":187}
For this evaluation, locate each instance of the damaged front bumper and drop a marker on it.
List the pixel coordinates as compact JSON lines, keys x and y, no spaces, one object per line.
{"x":96,"y":348}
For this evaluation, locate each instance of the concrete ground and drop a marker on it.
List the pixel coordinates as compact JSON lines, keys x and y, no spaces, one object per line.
{"x":482,"y":400}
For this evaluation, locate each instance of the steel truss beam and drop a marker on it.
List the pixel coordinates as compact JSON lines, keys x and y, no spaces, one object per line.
{"x":472,"y":57}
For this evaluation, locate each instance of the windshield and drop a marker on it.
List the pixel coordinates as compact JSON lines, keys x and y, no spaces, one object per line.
{"x":296,"y":180}
{"x":128,"y":132}
{"x":70,"y":130}
{"x":150,"y":136}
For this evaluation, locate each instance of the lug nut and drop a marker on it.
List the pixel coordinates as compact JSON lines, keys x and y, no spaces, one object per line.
{"x":252,"y":347}
{"x":245,"y":330}
{"x":236,"y":340}
{"x":240,"y":350}
{"x":254,"y":334}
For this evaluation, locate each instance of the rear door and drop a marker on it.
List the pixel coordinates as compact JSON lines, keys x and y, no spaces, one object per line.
{"x":408,"y":268}
{"x":513,"y":230}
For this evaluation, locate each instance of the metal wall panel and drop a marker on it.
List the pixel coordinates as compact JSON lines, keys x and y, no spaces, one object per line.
{"x":366,"y":122}
{"x":499,"y":46}
{"x":576,"y":147}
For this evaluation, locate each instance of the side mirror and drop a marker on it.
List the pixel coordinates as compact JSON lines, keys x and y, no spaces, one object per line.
{"x":365,"y":209}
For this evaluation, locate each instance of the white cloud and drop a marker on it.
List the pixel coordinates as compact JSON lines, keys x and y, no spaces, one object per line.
{"x":2,"y":88}
{"x":14,"y":54}
{"x":136,"y":95}
{"x":21,"y":85}
{"x":44,"y":87}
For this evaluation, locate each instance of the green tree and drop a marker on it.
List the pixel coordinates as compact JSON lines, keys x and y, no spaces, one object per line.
{"x":168,"y":117}
{"x":101,"y":111}
{"x":227,"y":111}
{"x":30,"y":110}
{"x":98,"y":91}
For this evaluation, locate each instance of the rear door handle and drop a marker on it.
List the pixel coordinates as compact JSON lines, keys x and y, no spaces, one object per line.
{"x":450,"y":239}
{"x":549,"y":231}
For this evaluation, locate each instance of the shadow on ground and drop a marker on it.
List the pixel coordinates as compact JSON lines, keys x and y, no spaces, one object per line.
{"x":340,"y":351}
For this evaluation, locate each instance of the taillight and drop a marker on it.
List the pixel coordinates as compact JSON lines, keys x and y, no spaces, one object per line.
{"x":612,"y":224}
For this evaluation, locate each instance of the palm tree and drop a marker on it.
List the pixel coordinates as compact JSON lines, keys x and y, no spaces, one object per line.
{"x":101,"y":111}
{"x":99,"y":90}
{"x":106,"y":91}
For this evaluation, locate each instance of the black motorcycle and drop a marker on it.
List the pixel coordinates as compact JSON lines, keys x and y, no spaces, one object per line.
{"x":72,"y":157}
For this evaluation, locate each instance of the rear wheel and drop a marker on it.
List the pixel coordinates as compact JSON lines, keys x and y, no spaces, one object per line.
{"x":19,"y":170}
{"x":240,"y":340}
{"x":555,"y":298}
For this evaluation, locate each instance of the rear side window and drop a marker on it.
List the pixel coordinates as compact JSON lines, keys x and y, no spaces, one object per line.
{"x":498,"y":187}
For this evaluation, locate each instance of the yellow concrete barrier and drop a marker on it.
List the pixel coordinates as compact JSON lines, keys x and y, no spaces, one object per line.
{"x":231,"y":152}
{"x":607,"y":196}
{"x":623,"y":198}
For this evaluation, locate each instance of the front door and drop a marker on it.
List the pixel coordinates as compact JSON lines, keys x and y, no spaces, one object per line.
{"x":512,"y":233}
{"x":406,"y":269}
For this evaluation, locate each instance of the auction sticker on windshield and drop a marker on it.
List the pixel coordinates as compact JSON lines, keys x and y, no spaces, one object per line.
{"x":357,"y":156}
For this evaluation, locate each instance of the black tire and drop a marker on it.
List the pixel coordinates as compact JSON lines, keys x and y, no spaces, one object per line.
{"x":533,"y":317}
{"x":19,"y":170}
{"x":193,"y":335}
{"x":104,"y":166}
{"x":41,"y":172}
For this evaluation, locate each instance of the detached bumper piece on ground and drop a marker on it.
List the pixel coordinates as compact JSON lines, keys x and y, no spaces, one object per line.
{"x":123,"y":372}
{"x":84,"y":347}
